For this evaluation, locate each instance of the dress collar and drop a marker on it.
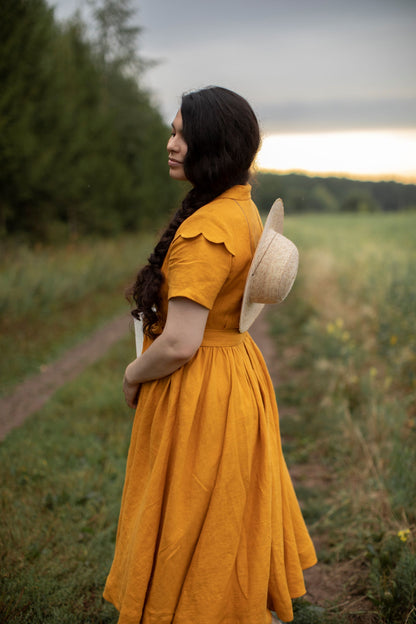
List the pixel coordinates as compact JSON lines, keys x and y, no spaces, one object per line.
{"x":240,"y":191}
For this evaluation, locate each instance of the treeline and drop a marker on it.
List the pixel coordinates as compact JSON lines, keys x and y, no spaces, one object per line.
{"x":302,"y":193}
{"x":82,"y":148}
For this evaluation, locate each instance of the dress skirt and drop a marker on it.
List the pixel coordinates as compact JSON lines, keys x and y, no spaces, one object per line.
{"x":210,"y":530}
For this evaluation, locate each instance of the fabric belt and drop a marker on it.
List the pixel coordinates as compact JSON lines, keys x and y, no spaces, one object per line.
{"x":222,"y":338}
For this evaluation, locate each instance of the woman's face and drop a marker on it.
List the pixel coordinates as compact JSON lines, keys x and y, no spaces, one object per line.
{"x":177,"y":149}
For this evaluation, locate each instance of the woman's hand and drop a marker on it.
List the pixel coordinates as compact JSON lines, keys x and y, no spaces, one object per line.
{"x":131,"y":390}
{"x":176,"y":345}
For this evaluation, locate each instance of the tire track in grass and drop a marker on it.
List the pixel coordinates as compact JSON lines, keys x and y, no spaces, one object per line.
{"x":309,"y":475}
{"x":29,"y":396}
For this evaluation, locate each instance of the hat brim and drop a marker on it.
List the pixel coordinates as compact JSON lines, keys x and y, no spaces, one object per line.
{"x":250,"y":310}
{"x":275,"y":218}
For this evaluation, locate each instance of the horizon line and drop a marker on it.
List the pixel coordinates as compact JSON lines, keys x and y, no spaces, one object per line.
{"x":398,"y":178}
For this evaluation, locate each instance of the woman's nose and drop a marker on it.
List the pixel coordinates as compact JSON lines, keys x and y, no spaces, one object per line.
{"x":171,"y":144}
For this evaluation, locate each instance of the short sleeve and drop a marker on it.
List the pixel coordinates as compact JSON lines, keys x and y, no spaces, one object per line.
{"x":197,"y":269}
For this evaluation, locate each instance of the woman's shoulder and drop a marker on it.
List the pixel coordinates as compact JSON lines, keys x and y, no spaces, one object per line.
{"x":219,"y":221}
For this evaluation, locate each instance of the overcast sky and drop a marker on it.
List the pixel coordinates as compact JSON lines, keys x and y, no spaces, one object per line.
{"x":305,"y":65}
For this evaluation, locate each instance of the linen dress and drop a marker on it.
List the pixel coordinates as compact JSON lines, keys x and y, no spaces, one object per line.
{"x":210,"y":530}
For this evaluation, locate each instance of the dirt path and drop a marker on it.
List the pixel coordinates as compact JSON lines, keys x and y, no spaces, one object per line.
{"x":328,"y":585}
{"x":29,"y":396}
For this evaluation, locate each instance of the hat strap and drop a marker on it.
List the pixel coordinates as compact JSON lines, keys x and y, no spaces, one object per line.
{"x":264,"y":253}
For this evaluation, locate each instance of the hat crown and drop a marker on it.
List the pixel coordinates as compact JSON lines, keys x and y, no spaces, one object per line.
{"x":273,"y":269}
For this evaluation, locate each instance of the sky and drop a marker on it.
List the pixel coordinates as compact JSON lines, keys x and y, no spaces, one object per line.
{"x":333,"y":82}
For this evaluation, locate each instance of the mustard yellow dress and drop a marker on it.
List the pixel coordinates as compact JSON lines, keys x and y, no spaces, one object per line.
{"x":210,"y":530}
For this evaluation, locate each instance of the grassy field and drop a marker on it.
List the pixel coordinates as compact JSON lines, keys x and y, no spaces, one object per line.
{"x":348,"y":345}
{"x":349,"y":330}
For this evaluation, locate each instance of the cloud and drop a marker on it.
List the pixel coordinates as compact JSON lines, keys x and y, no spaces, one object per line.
{"x":329,"y":115}
{"x":303,"y":64}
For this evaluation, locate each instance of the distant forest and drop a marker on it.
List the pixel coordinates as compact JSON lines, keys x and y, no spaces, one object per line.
{"x":301,"y":194}
{"x":83,"y":147}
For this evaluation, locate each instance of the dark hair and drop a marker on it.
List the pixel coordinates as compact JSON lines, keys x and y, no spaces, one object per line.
{"x":222,"y":136}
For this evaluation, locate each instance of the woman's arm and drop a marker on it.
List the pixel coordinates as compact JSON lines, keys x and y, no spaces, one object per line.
{"x":178,"y":343}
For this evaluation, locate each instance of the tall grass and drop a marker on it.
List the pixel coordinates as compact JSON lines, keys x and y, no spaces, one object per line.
{"x":51,"y":297}
{"x":351,"y":319}
{"x":35,"y":281}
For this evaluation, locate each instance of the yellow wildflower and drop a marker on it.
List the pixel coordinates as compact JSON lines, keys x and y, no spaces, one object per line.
{"x":403,"y":534}
{"x":393,"y":340}
{"x":330,"y":328}
{"x":373,"y":372}
{"x":387,"y":382}
{"x":339,"y":323}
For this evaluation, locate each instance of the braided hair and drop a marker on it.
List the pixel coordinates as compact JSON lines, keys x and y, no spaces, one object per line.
{"x":222,"y":136}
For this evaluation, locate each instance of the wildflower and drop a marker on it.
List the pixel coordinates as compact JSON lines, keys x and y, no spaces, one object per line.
{"x":393,"y":340}
{"x":373,"y":372}
{"x":345,"y":336}
{"x":339,"y":323}
{"x":403,"y":534}
{"x":330,"y":328}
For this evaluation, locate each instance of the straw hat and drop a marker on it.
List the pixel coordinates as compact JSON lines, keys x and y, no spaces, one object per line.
{"x":273,"y":269}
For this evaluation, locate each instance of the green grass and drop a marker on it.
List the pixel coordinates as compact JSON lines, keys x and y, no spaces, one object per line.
{"x":51,"y":298}
{"x":62,"y":476}
{"x":352,"y":388}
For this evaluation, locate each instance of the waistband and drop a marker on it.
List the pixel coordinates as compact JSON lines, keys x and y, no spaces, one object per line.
{"x":222,"y":338}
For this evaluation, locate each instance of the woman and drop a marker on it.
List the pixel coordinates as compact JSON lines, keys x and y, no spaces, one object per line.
{"x":210,"y":530}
